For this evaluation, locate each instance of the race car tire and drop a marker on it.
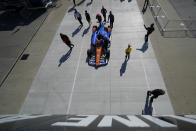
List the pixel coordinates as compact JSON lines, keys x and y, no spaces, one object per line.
{"x":109,"y":44}
{"x":108,"y":54}
{"x":89,"y":53}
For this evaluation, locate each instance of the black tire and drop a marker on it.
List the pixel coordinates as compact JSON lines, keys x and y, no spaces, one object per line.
{"x":108,"y":54}
{"x":109,"y":44}
{"x":89,"y":53}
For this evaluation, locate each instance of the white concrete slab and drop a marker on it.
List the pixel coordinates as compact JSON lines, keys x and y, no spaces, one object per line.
{"x":76,"y":88}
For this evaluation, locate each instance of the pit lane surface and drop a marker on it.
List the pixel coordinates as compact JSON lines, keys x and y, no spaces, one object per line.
{"x":73,"y":87}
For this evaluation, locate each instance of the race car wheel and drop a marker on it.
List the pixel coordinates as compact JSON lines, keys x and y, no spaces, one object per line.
{"x":109,"y":44}
{"x":89,"y":53}
{"x":108,"y":54}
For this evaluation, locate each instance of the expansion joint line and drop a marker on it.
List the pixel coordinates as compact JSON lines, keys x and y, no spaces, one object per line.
{"x":74,"y":82}
{"x":146,"y":78}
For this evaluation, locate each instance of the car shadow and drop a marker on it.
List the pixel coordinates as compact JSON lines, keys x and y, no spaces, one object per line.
{"x":64,"y":57}
{"x":77,"y":30}
{"x":123,"y":67}
{"x":144,"y":47}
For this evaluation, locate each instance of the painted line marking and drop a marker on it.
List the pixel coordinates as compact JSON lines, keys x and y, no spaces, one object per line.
{"x":159,"y":122}
{"x":72,"y":90}
{"x":191,"y":116}
{"x":146,"y":78}
{"x":181,"y":118}
{"x":19,"y":117}
{"x":132,"y":121}
{"x":84,"y":121}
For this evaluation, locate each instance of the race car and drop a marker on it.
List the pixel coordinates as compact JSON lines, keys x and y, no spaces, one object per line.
{"x":99,"y":52}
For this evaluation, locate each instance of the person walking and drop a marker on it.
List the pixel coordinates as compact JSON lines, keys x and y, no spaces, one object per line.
{"x":98,"y":17}
{"x":146,"y":2}
{"x":74,"y":2}
{"x":66,"y":40}
{"x":78,"y":16}
{"x":104,"y":11}
{"x":149,"y":31}
{"x":155,"y":93}
{"x":127,"y":52}
{"x":88,"y":18}
{"x":111,"y":19}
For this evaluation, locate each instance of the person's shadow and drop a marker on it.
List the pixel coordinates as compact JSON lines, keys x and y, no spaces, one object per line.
{"x":144,"y":47}
{"x":148,"y":109}
{"x":16,"y":31}
{"x":81,"y":2}
{"x":85,"y":31}
{"x":71,"y":9}
{"x":77,"y":30}
{"x":64,"y":57}
{"x":89,"y":3}
{"x":144,"y":10}
{"x":129,"y":0}
{"x":123,"y":67}
{"x":122,"y":0}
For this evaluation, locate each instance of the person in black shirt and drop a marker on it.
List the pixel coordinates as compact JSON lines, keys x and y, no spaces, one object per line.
{"x":111,"y":19}
{"x":74,"y":2}
{"x":78,"y":16}
{"x":155,"y":93}
{"x":149,"y":31}
{"x":88,"y":18}
{"x":104,"y":11}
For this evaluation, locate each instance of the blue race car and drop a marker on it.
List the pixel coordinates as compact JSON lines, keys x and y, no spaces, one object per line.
{"x":99,"y":53}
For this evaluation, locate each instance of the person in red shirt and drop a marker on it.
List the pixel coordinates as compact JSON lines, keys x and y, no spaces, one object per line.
{"x":98,"y":17}
{"x":66,"y":40}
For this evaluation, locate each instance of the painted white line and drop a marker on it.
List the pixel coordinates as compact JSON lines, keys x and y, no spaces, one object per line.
{"x":158,"y":122}
{"x":146,"y":78}
{"x":181,"y":118}
{"x":84,"y":121}
{"x":132,"y":121}
{"x":19,"y":117}
{"x":72,"y":90}
{"x":6,"y":116}
{"x":191,"y":116}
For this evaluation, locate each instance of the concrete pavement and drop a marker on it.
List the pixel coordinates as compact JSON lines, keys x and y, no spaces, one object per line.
{"x":15,"y":88}
{"x":176,"y":58}
{"x":16,"y":32}
{"x":76,"y":88}
{"x":185,"y":8}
